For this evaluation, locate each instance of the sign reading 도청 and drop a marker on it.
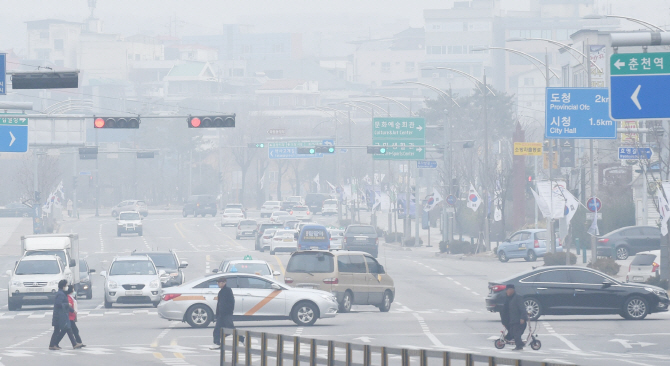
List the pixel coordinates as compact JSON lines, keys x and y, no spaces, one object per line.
{"x":638,"y":85}
{"x":405,"y":137}
{"x":528,"y":148}
{"x":578,"y":113}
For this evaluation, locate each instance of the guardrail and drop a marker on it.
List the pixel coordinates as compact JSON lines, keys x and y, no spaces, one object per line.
{"x":292,"y":350}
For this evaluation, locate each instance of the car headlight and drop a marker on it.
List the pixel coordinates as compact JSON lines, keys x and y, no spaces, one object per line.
{"x":18,"y":283}
{"x":154,"y":284}
{"x":657,"y":292}
{"x":53,"y":283}
{"x":111,"y":284}
{"x":330,"y":298}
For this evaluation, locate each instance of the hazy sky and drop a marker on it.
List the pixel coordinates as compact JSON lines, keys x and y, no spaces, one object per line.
{"x":206,"y":16}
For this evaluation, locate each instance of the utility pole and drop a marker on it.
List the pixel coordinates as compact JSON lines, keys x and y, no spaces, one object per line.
{"x":447,"y":174}
{"x":408,"y":223}
{"x":97,"y":177}
{"x":594,"y":249}
{"x":550,"y":219}
{"x":487,"y":223}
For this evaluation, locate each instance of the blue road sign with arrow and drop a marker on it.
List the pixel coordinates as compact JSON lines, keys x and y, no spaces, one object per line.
{"x":635,"y":153}
{"x":13,"y":134}
{"x":639,"y":85}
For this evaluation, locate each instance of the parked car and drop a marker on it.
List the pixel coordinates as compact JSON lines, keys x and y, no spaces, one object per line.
{"x":17,"y":209}
{"x":572,"y":290}
{"x":200,"y":205}
{"x":231,"y":216}
{"x":260,"y":229}
{"x":644,"y":266}
{"x":355,"y":278}
{"x":168,"y":262}
{"x":301,"y":213}
{"x":313,"y":237}
{"x":269,"y":207}
{"x":246,"y":228}
{"x":85,"y":286}
{"x":329,"y":207}
{"x":130,"y":205}
{"x":527,"y":244}
{"x":361,"y":237}
{"x":315,"y":201}
{"x":629,"y":240}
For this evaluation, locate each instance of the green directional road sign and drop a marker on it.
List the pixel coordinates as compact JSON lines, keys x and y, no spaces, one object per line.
{"x":14,"y":121}
{"x":401,"y":135}
{"x":640,"y":63}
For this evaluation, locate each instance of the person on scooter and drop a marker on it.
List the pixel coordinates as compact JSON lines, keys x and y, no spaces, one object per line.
{"x":514,"y":317}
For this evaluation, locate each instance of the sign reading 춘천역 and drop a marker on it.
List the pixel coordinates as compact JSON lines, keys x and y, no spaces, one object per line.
{"x":578,"y":113}
{"x":638,"y":85}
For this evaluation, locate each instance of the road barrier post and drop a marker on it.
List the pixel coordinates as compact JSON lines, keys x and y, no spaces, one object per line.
{"x":296,"y":351}
{"x":280,"y":350}
{"x":233,"y":356}
{"x":577,"y":246}
{"x":222,"y":356}
{"x":247,"y":348}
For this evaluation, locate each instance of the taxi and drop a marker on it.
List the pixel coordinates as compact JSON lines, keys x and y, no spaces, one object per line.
{"x":256,"y":298}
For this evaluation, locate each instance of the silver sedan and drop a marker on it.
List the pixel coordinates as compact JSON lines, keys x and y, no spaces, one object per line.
{"x":256,"y":298}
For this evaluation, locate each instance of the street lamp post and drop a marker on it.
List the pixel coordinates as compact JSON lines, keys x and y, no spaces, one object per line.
{"x":634,"y":20}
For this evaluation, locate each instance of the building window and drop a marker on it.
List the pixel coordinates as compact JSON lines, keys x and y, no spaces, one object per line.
{"x":277,"y":48}
{"x":237,"y":72}
{"x":562,"y":34}
{"x":455,"y":50}
{"x":274,"y":101}
{"x":58,"y":44}
{"x":546,"y":33}
{"x":409,"y":66}
{"x":247,"y":48}
{"x":528,"y":81}
{"x":44,"y":35}
{"x":386,"y":67}
{"x":435,"y":50}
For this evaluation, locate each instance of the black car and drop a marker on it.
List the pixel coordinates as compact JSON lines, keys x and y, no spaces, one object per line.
{"x":17,"y":209}
{"x":287,"y":205}
{"x":362,"y":238}
{"x":84,"y":287}
{"x":170,"y":263}
{"x":200,"y":205}
{"x":571,"y":290}
{"x":261,"y":229}
{"x":629,"y":240}
{"x":315,"y":201}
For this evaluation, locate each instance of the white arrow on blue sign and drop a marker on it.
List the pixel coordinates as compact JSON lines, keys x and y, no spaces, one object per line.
{"x":635,"y":153}
{"x":14,"y":138}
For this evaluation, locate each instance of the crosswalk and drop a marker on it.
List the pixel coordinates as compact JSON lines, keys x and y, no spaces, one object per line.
{"x":80,"y":314}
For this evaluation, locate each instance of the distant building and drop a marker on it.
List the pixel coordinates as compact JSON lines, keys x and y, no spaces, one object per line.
{"x":287,"y":94}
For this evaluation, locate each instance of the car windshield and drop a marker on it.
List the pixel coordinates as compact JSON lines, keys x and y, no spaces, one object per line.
{"x":38,"y":267}
{"x":643,"y":260}
{"x":129,"y":216}
{"x":59,"y":253}
{"x":232,"y":211}
{"x":163,"y":260}
{"x":248,"y":222}
{"x":253,"y":268}
{"x":310,"y":263}
{"x":128,"y":268}
{"x":271,"y":203}
{"x":269,"y":232}
{"x":300,"y":208}
{"x":330,"y":202}
{"x":361,"y":230}
{"x":141,"y":203}
{"x":285,"y":233}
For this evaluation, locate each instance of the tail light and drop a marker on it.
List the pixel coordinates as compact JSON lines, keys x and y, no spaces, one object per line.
{"x":267,"y":237}
{"x":344,"y":240}
{"x":498,"y":288}
{"x":536,"y":244}
{"x":288,"y":280}
{"x":290,"y":213}
{"x":377,"y":241}
{"x":308,"y":212}
{"x":331,"y":281}
{"x":225,"y":215}
{"x":168,"y":297}
{"x":631,"y":266}
{"x":654,"y":267}
{"x":277,"y":239}
{"x":604,"y":241}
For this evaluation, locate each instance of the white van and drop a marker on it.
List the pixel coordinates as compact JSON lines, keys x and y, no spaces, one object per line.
{"x":34,"y":280}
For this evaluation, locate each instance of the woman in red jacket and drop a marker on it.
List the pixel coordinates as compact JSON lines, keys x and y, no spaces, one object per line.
{"x":73,"y":334}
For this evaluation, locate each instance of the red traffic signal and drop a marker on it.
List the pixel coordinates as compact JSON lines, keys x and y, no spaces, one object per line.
{"x":116,"y":122}
{"x":222,"y":121}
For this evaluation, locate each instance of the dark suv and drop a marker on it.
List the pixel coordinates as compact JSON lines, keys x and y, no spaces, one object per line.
{"x":168,"y":262}
{"x":629,"y":240}
{"x":315,"y":201}
{"x":361,"y":237}
{"x":200,"y":205}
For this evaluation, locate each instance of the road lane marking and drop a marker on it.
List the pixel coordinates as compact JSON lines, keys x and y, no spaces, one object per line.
{"x":176,"y":225}
{"x":158,"y":355}
{"x":552,"y":332}
{"x":281,"y":266}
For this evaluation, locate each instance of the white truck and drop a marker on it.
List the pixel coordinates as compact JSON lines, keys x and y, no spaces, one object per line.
{"x":65,"y":246}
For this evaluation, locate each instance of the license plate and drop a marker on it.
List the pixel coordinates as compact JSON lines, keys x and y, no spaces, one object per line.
{"x":314,"y":248}
{"x":246,"y":233}
{"x":522,"y":247}
{"x":637,"y":278}
{"x":35,"y":290}
{"x":287,"y":240}
{"x":134,"y":292}
{"x":361,"y":239}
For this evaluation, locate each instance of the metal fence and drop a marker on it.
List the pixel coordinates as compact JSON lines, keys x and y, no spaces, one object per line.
{"x":266,"y":349}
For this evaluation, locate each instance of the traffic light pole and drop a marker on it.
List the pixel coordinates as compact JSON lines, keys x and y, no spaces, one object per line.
{"x":97,"y":178}
{"x":74,"y":182}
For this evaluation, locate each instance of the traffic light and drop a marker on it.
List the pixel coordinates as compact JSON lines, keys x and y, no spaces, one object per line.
{"x":211,"y":121}
{"x":376,"y":149}
{"x":306,"y":150}
{"x":88,"y":153}
{"x":256,"y":145}
{"x":325,"y":149}
{"x":116,"y":122}
{"x":91,"y":182}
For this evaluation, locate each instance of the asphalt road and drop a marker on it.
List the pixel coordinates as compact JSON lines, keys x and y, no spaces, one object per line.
{"x":439,"y":305}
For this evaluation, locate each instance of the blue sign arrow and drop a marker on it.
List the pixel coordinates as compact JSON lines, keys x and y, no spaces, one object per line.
{"x":635,"y":153}
{"x":640,"y":96}
{"x":426,"y":164}
{"x":579,"y":113}
{"x":13,"y":138}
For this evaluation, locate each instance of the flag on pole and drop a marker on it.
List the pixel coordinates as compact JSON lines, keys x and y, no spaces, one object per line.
{"x":262,"y":180}
{"x":433,"y":200}
{"x":333,"y":190}
{"x":378,"y":200}
{"x":664,"y":212}
{"x":541,"y":204}
{"x":474,"y":200}
{"x":318,"y":185}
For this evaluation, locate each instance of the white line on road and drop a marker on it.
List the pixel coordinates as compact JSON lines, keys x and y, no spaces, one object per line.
{"x":474,"y":293}
{"x":440,"y":273}
{"x":559,"y":336}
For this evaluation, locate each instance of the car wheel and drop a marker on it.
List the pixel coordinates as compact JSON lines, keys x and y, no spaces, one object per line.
{"x":305,"y":313}
{"x":89,"y":294}
{"x":12,"y":305}
{"x":622,"y":253}
{"x":531,"y":257}
{"x":635,"y":308}
{"x":533,"y":308}
{"x":139,"y":233}
{"x":115,"y":214}
{"x":184,"y":213}
{"x":345,"y":304}
{"x":199,"y":316}
{"x":502,"y":256}
{"x":108,"y":305}
{"x":385,"y":306}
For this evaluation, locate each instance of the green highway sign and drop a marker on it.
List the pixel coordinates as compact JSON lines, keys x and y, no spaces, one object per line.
{"x":14,"y":121}
{"x":640,"y":63}
{"x":400,"y":134}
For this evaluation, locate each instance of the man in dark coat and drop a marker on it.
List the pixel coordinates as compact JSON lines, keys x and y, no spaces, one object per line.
{"x":514,"y":317}
{"x":224,"y":311}
{"x":61,"y":316}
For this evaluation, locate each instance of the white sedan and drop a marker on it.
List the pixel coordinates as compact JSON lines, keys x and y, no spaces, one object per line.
{"x":301,"y":213}
{"x":279,"y":216}
{"x":256,"y":298}
{"x":231,"y":216}
{"x":283,"y":240}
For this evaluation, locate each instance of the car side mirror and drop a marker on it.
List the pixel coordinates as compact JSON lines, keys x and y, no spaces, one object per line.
{"x":276,"y":273}
{"x":215,"y":270}
{"x":161,"y":272}
{"x":73,"y":263}
{"x":103,"y":273}
{"x":9,"y":272}
{"x":183,"y":264}
{"x":275,"y":286}
{"x":607,"y":284}
{"x":91,"y":271}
